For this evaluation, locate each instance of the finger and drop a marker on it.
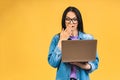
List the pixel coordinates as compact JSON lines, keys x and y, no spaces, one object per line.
{"x":73,"y":63}
{"x":69,"y":27}
{"x":62,"y":31}
{"x":83,"y":62}
{"x":68,"y":30}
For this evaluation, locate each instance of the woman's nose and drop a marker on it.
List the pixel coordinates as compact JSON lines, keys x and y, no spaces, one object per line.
{"x":71,"y":22}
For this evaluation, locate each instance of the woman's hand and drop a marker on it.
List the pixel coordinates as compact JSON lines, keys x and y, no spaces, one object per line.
{"x":83,"y":65}
{"x":64,"y":35}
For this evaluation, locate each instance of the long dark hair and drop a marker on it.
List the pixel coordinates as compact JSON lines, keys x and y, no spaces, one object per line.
{"x":78,"y":15}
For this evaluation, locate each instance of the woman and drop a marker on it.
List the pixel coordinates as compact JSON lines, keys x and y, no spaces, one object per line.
{"x":72,"y":28}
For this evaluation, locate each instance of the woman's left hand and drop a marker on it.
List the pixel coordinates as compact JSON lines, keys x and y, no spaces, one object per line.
{"x":83,"y":65}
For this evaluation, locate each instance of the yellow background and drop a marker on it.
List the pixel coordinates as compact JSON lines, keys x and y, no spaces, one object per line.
{"x":27,"y":27}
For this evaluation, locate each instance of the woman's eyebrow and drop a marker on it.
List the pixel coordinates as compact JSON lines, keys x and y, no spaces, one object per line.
{"x":70,"y":18}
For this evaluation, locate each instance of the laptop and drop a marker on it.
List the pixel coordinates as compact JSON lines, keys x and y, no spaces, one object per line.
{"x":78,"y":50}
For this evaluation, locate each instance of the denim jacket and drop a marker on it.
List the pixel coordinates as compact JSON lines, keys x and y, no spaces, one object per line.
{"x":64,"y":69}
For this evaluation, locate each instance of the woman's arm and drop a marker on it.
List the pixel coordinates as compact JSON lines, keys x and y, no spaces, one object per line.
{"x":88,"y":66}
{"x":54,"y":56}
{"x":82,"y":65}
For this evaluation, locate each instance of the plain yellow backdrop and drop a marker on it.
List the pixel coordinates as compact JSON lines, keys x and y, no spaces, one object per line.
{"x":27,"y":27}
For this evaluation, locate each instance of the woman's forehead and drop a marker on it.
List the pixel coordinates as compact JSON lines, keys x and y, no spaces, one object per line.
{"x":71,"y":14}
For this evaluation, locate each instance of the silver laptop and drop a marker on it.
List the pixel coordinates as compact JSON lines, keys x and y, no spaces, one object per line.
{"x":78,"y":50}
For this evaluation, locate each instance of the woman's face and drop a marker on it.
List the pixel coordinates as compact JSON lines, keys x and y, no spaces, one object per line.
{"x":71,"y":20}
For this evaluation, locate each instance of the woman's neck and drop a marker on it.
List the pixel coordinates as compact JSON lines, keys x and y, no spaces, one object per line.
{"x":75,"y":33}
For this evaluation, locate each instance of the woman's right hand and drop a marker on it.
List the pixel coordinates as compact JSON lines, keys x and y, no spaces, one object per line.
{"x":64,"y":35}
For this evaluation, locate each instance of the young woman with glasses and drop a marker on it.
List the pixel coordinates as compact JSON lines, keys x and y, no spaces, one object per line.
{"x":72,"y":28}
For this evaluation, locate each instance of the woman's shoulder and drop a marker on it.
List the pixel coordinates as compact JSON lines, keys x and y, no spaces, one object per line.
{"x":86,"y":36}
{"x":56,"y":36}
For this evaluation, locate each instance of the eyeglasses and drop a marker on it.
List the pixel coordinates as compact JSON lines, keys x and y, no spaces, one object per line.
{"x":69,"y":20}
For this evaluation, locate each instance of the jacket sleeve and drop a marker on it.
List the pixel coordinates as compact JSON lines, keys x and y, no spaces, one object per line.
{"x":94,"y":64}
{"x":54,"y":54}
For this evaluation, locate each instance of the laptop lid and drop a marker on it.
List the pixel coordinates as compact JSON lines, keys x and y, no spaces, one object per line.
{"x":78,"y":50}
